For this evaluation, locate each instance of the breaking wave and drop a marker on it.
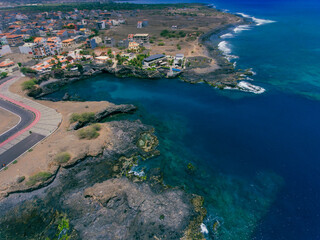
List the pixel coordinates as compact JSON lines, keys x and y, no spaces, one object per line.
{"x":258,"y":21}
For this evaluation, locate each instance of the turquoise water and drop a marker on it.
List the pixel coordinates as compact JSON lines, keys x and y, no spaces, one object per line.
{"x":256,"y":157}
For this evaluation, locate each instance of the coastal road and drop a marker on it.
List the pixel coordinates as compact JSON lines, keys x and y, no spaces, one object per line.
{"x":28,"y":118}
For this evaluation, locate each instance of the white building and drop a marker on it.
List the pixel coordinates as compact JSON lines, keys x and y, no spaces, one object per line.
{"x":5,"y":49}
{"x":26,"y":48}
{"x":178,"y":59}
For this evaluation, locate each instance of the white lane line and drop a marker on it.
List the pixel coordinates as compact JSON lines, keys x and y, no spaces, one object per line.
{"x":13,"y":126}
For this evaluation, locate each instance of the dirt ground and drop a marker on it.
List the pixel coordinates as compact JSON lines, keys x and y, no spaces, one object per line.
{"x":193,"y":21}
{"x":7,"y":120}
{"x":41,"y":157}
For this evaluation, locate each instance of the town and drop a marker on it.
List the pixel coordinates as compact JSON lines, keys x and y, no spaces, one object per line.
{"x":42,"y":42}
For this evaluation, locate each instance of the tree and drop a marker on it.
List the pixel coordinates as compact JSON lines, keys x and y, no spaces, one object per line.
{"x":3,"y":74}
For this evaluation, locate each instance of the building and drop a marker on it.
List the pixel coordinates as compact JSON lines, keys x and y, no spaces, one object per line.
{"x":145,"y":23}
{"x":26,"y":48}
{"x":109,"y":42}
{"x":141,"y":37}
{"x":154,"y":59}
{"x":101,"y":59}
{"x":134,"y":46}
{"x":14,"y":40}
{"x":40,"y":50}
{"x":91,"y":43}
{"x":68,"y":43}
{"x":4,"y":50}
{"x":55,"y":44}
{"x":139,"y":24}
{"x":8,"y":66}
{"x":178,"y":59}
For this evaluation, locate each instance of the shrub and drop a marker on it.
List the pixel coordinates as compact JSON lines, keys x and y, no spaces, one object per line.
{"x":90,"y":132}
{"x":96,"y":127}
{"x":25,"y":70}
{"x":38,"y":177}
{"x":28,"y":85}
{"x":21,"y":179}
{"x":84,"y":117}
{"x":3,"y":74}
{"x":161,"y":44}
{"x":62,"y":157}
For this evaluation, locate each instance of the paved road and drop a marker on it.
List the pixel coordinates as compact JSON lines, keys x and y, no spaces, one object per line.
{"x":21,"y":147}
{"x":26,"y":118}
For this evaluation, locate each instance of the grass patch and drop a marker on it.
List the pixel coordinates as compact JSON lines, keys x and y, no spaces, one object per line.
{"x":14,"y":162}
{"x":38,"y":177}
{"x":28,"y":85}
{"x":62,"y":157}
{"x":83,"y":117}
{"x":90,"y":132}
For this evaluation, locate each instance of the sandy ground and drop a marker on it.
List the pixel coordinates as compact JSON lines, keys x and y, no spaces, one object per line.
{"x":41,"y":158}
{"x":7,"y":120}
{"x":193,"y":21}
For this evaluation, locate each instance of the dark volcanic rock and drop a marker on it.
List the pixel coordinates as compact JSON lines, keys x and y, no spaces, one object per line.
{"x":136,"y":212}
{"x":98,"y":205}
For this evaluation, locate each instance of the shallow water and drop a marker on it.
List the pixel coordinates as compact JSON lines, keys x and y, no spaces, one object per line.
{"x":256,"y":157}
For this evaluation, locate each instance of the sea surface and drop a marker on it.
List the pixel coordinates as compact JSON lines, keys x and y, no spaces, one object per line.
{"x":256,"y":156}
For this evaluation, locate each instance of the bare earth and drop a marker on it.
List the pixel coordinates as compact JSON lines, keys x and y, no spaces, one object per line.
{"x":41,"y":158}
{"x":193,"y":21}
{"x":7,"y":120}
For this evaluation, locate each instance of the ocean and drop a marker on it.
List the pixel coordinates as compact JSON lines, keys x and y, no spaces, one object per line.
{"x":256,"y":156}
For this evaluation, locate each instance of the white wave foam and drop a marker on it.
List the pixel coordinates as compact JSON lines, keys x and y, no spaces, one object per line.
{"x":227,"y":35}
{"x":252,"y":72}
{"x":204,"y":228}
{"x":225,"y":48}
{"x":136,"y":172}
{"x":248,"y":87}
{"x":258,"y":21}
{"x":241,"y":28}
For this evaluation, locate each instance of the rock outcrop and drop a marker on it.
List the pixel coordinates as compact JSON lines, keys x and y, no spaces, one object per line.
{"x":137,"y":212}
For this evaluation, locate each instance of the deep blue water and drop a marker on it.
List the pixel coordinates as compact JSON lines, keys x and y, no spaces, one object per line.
{"x":256,"y":156}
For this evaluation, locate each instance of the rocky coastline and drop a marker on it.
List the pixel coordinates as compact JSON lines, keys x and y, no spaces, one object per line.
{"x":224,"y":76}
{"x":99,"y":195}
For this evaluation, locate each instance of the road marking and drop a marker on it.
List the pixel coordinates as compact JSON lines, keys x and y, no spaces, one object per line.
{"x":35,"y":111}
{"x":13,"y":126}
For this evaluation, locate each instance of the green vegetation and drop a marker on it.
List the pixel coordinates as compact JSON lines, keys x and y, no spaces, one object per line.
{"x":62,"y":157}
{"x":21,"y":179}
{"x":173,"y":34}
{"x":190,"y":167}
{"x":3,"y":75}
{"x":178,"y":47}
{"x":65,"y":7}
{"x":161,"y":44}
{"x":82,"y":118}
{"x":121,"y":59}
{"x":161,"y":217}
{"x":26,"y":70}
{"x":14,"y":162}
{"x":63,"y":228}
{"x":30,"y":84}
{"x":138,"y":60}
{"x":90,"y":132}
{"x":39,"y":177}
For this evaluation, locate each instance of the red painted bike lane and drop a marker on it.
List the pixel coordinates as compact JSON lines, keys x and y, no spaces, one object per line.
{"x":35,"y":111}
